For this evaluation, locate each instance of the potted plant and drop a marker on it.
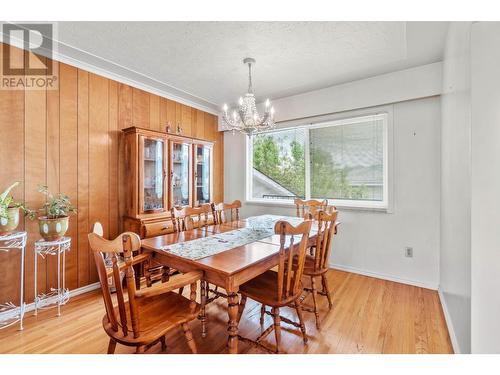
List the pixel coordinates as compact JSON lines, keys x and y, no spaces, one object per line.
{"x":9,"y":211}
{"x":54,"y":224}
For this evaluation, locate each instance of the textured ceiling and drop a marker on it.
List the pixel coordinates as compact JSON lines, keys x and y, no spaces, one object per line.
{"x":204,"y":58}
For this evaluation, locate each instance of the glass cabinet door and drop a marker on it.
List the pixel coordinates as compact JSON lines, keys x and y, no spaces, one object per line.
{"x":180,"y":174}
{"x":202,"y":174}
{"x":153,"y":178}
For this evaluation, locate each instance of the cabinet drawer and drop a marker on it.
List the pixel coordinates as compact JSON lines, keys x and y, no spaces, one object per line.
{"x":157,"y":229}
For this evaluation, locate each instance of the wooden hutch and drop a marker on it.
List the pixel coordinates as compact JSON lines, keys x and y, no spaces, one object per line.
{"x":163,"y":170}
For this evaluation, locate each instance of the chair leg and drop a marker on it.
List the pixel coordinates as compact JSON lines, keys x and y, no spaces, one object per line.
{"x":147,"y":273}
{"x":315,"y":297}
{"x":165,"y":275}
{"x":181,"y":289}
{"x":111,"y":346}
{"x":327,"y":291}
{"x":277,"y":327}
{"x":298,"y":308}
{"x":139,"y":349}
{"x":189,"y":337}
{"x":163,"y":341}
{"x":262,"y":313}
{"x":241,"y":306}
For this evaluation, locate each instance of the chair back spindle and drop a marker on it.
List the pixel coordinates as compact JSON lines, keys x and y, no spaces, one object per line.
{"x":183,"y":218}
{"x":326,"y":229}
{"x":227,"y":212}
{"x":310,"y":206}
{"x":292,"y":255}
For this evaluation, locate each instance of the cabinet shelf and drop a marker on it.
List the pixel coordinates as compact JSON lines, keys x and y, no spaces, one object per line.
{"x":169,"y":167}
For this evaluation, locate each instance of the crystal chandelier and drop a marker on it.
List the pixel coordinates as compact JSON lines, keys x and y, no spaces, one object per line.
{"x":246,"y":118}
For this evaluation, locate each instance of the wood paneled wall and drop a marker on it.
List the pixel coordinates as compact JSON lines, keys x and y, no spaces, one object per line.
{"x":69,"y":139}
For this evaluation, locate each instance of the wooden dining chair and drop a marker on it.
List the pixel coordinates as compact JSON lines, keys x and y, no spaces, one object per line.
{"x":282,"y":288}
{"x":317,"y":265}
{"x":187,"y":218}
{"x":227,"y":212}
{"x":143,"y":267}
{"x":310,"y":206}
{"x":148,"y":314}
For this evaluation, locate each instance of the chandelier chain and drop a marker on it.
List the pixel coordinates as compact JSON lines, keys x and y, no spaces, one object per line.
{"x":250,"y":87}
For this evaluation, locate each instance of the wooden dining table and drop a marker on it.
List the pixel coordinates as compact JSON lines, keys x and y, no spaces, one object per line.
{"x":228,"y":269}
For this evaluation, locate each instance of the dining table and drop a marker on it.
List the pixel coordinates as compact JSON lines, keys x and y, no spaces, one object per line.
{"x":228,"y":254}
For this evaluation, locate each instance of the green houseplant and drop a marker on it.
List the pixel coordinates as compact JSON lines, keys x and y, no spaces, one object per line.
{"x":54,"y":224}
{"x":9,"y":210}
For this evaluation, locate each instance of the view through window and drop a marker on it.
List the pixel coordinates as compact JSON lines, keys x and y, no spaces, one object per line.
{"x":342,"y":160}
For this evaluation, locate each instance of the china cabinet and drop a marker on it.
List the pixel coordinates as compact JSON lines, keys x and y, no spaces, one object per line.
{"x":162,"y":171}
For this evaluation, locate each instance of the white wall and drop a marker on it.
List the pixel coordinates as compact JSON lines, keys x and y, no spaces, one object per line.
{"x":455,"y":279}
{"x":373,"y":242}
{"x":485,"y":188}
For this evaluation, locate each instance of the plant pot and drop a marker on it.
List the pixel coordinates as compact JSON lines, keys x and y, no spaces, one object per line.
{"x":53,"y":229}
{"x":9,"y":224}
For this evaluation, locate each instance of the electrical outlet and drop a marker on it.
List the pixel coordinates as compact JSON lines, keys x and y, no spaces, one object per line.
{"x":409,"y":252}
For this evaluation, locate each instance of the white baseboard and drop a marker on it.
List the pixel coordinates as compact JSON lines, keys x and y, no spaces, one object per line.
{"x":72,"y":293}
{"x":384,"y":276}
{"x":449,"y":324}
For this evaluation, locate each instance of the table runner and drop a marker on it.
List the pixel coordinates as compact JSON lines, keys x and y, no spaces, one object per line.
{"x":260,"y":227}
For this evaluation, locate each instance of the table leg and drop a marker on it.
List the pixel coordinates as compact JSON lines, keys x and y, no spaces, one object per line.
{"x":203,"y":316}
{"x":232,"y":302}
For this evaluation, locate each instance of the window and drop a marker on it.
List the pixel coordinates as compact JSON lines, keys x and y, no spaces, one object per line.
{"x":344,"y":161}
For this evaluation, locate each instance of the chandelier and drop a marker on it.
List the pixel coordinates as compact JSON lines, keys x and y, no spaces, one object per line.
{"x":246,"y":118}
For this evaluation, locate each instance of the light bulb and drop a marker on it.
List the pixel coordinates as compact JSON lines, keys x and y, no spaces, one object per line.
{"x":225,"y":107}
{"x":272,"y":110}
{"x":240,"y":101}
{"x":268,"y":103}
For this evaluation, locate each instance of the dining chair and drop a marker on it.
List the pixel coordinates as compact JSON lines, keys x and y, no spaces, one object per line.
{"x":282,"y":288}
{"x":227,"y":212}
{"x":143,"y":268}
{"x":309,"y":206}
{"x":317,"y":265}
{"x":187,"y":218}
{"x":148,"y":314}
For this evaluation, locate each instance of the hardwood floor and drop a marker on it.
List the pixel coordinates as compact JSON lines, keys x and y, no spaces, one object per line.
{"x":369,"y":316}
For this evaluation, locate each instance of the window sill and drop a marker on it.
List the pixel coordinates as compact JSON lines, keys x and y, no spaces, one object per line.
{"x":338,"y":205}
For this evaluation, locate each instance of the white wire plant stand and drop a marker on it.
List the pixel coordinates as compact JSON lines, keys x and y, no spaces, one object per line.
{"x":56,"y":296}
{"x":9,"y":312}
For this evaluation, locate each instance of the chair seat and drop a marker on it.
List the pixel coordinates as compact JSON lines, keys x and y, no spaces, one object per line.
{"x":158,"y":315}
{"x":264,"y":289}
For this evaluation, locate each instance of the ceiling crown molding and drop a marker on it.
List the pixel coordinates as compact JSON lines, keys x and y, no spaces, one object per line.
{"x":97,"y":65}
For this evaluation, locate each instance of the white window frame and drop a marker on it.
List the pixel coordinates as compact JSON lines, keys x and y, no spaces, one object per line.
{"x":385,"y":205}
